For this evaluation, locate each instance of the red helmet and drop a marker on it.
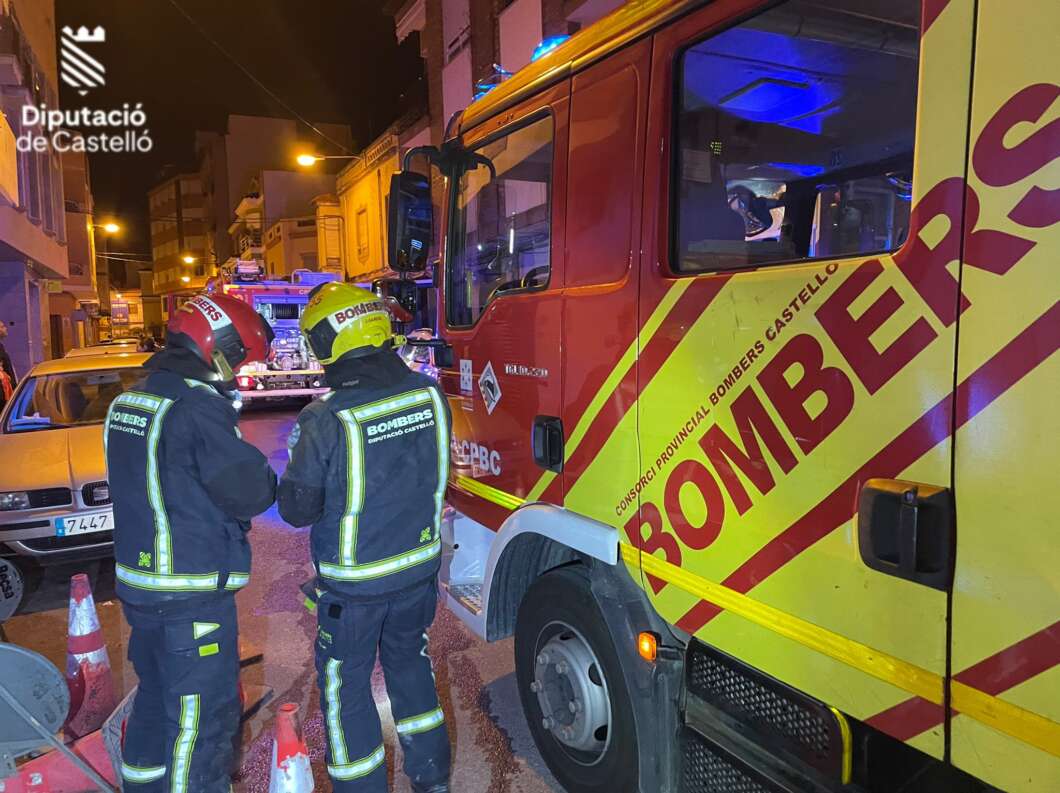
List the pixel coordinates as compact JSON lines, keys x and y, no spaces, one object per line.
{"x":220,"y":329}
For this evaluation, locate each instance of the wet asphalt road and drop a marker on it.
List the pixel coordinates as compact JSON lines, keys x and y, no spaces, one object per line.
{"x":492,"y":748}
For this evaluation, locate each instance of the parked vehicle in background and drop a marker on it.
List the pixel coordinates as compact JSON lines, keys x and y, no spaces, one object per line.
{"x":752,"y":315}
{"x":54,"y":496}
{"x":291,"y":370}
{"x":105,"y":348}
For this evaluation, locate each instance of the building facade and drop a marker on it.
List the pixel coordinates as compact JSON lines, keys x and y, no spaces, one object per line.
{"x":230,"y":160}
{"x":33,"y":250}
{"x":462,"y":42}
{"x":274,"y":221}
{"x":74,"y":311}
{"x":181,"y":265}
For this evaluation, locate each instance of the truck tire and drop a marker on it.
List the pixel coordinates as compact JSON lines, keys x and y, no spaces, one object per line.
{"x":572,"y":688}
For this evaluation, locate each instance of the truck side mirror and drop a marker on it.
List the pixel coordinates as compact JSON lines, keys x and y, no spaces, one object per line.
{"x":410,"y":222}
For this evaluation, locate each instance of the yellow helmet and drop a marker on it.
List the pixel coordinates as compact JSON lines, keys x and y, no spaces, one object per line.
{"x":345,"y":320}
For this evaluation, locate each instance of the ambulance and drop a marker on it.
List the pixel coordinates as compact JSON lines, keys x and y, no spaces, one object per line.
{"x":748,"y":320}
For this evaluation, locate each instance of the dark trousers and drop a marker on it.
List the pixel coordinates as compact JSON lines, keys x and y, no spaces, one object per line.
{"x":180,"y":735}
{"x":349,"y":636}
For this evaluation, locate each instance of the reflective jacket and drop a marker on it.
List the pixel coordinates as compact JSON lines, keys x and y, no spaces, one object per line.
{"x":184,"y":486}
{"x":369,"y":464}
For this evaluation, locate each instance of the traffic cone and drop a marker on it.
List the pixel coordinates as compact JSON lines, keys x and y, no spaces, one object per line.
{"x":88,"y":674}
{"x":291,"y":772}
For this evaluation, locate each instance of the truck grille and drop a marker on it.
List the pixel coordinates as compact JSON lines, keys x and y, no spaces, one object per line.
{"x":708,"y":769}
{"x":780,"y":717}
{"x":49,"y":497}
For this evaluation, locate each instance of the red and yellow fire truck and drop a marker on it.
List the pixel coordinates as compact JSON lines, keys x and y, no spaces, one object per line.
{"x":291,"y":370}
{"x":748,"y":320}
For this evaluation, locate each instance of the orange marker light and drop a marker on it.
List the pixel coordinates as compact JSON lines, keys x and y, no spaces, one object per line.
{"x":648,"y":646}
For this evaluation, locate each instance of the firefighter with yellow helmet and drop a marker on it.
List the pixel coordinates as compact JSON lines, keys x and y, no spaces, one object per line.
{"x":368,"y":469}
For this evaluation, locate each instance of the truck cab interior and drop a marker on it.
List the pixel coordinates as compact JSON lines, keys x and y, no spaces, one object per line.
{"x":783,"y":151}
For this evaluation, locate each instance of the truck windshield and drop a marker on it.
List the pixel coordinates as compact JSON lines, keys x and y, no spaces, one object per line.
{"x":500,"y":233}
{"x":71,"y":399}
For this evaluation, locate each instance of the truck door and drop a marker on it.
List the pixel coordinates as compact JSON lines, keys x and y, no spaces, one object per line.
{"x":797,"y":344}
{"x":1006,"y":603}
{"x":503,"y":305}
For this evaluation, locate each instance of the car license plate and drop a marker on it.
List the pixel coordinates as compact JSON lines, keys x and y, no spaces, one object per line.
{"x":84,"y":524}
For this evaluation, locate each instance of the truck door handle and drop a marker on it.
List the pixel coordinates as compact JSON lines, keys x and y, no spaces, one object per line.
{"x":906,"y":529}
{"x":547,"y":441}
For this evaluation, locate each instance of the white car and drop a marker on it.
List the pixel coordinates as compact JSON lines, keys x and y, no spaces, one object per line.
{"x":54,"y":498}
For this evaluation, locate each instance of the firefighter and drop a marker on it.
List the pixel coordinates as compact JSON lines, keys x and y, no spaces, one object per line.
{"x":185,"y":486}
{"x":368,"y":469}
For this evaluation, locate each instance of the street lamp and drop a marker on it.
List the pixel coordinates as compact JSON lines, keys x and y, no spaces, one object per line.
{"x":110,"y":227}
{"x":185,"y":279}
{"x":188,"y":258}
{"x":307,"y":160}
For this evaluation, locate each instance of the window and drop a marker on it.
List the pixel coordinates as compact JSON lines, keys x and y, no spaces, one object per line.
{"x":794,"y":136}
{"x":362,"y":234}
{"x":500,"y":235}
{"x":62,"y":400}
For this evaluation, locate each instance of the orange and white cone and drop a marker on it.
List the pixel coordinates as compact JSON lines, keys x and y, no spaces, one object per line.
{"x":92,"y":697}
{"x":291,"y":771}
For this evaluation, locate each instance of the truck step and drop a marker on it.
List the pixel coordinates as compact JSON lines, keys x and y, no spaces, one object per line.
{"x":768,"y":733}
{"x":468,"y":595}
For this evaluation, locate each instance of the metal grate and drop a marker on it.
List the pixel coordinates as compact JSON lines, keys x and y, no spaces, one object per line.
{"x":708,"y":770}
{"x":782,"y":716}
{"x":50,"y":497}
{"x":468,"y":595}
{"x":96,"y":494}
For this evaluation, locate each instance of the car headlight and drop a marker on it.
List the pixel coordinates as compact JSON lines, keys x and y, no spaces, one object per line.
{"x":16,"y":500}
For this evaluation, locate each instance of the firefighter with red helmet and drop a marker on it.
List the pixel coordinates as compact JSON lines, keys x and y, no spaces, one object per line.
{"x":185,"y":486}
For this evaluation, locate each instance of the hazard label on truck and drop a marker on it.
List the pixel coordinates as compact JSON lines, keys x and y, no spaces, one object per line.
{"x":490,"y":388}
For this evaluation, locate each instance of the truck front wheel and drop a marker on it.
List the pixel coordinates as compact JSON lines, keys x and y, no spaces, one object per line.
{"x":572,"y":688}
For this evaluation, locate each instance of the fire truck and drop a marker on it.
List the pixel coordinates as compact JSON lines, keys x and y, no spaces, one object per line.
{"x":748,"y":319}
{"x":291,"y":370}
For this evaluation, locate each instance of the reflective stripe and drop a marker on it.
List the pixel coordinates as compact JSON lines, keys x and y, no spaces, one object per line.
{"x":442,"y":433}
{"x":421,"y":723}
{"x":360,"y":768}
{"x":184,"y":746}
{"x":392,"y":405}
{"x":237,"y":580}
{"x":200,"y":384}
{"x":383,"y":566}
{"x":354,"y":489}
{"x":135,"y":773}
{"x":170,"y":583}
{"x":337,"y":739}
{"x":135,"y":399}
{"x":163,"y":541}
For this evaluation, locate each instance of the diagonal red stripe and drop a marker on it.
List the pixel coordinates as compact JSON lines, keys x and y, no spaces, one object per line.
{"x":1017,"y":664}
{"x":684,"y":312}
{"x":1014,"y":361}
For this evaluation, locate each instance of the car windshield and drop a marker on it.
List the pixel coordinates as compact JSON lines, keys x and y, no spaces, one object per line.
{"x":70,"y":399}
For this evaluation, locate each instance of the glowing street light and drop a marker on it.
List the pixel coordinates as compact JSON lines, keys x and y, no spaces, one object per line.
{"x":185,"y":279}
{"x":307,"y":160}
{"x":111,"y":227}
{"x":188,"y":258}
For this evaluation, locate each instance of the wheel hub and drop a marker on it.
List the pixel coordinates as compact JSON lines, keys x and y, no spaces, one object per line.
{"x":572,"y":693}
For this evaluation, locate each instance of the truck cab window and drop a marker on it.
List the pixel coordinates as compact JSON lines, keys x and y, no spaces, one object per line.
{"x":500,"y":233}
{"x":794,"y":136}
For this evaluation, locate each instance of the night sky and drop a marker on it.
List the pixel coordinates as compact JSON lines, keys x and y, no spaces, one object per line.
{"x":330,"y":60}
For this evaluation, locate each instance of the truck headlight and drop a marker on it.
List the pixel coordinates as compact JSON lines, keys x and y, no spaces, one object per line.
{"x":16,"y":500}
